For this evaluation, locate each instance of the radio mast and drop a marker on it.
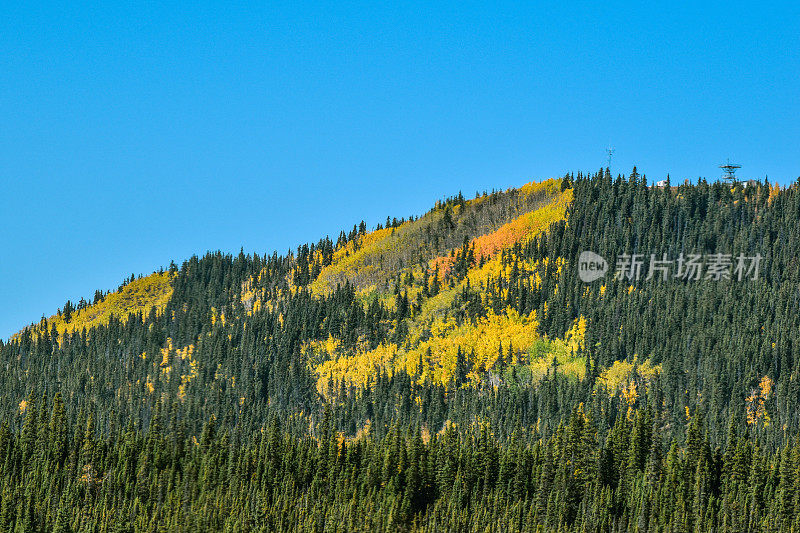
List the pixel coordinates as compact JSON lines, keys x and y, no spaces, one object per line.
{"x":729,"y":170}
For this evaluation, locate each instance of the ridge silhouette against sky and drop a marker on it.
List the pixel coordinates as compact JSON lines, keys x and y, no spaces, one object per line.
{"x":133,"y":135}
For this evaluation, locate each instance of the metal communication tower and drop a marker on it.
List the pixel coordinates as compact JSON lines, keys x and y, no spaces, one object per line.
{"x":729,"y":170}
{"x":610,"y":154}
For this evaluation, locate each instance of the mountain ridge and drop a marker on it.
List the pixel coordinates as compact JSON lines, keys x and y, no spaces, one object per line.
{"x":470,"y":379}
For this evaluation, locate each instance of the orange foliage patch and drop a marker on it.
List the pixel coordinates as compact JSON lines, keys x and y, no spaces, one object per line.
{"x":520,"y":230}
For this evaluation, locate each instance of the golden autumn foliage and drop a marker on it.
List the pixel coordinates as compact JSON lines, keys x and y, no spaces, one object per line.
{"x":356,"y":370}
{"x":521,"y":229}
{"x":349,"y":259}
{"x":524,"y":227}
{"x":628,"y":379}
{"x":774,"y":191}
{"x":617,"y":376}
{"x":217,"y":316}
{"x":366,"y":260}
{"x":430,"y":350}
{"x":180,"y":360}
{"x":480,"y":342}
{"x":530,"y":272}
{"x":254,"y":297}
{"x":754,"y":403}
{"x":138,"y":296}
{"x":434,"y":358}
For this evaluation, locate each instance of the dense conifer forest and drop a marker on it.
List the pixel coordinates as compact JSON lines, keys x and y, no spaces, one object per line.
{"x":442,"y":372}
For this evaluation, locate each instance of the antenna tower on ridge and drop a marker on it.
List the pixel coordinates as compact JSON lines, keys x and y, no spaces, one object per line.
{"x":729,"y":170}
{"x":609,"y":154}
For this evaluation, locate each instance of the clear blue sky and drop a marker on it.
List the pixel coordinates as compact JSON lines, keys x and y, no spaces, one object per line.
{"x":133,"y":135}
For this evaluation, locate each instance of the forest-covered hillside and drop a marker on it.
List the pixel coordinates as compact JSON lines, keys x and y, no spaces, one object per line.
{"x":446,"y":372}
